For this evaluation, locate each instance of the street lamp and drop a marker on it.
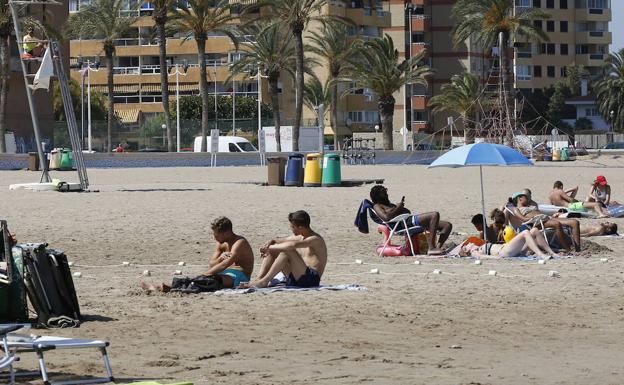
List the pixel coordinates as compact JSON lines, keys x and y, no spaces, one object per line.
{"x":611,"y":115}
{"x":259,"y":77}
{"x":86,"y":71}
{"x":409,"y":7}
{"x":177,"y":73}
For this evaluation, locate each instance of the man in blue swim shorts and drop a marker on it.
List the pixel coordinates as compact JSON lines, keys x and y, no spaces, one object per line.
{"x":230,"y":265}
{"x":301,"y":257}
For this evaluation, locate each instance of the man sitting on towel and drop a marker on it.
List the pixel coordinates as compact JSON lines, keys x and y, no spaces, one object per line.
{"x":566,"y":198}
{"x":301,"y":257}
{"x":230,"y":265}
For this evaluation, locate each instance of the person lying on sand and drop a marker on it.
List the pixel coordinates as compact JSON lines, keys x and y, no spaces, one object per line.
{"x":605,"y":228}
{"x":531,"y":240}
{"x":523,"y":212}
{"x":301,"y":257}
{"x":231,"y":262}
{"x":430,"y":221}
{"x":566,"y":198}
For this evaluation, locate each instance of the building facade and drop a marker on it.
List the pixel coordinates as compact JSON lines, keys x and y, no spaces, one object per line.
{"x":137,"y":71}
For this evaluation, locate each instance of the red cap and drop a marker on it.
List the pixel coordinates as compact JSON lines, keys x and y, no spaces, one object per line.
{"x":601,"y":180}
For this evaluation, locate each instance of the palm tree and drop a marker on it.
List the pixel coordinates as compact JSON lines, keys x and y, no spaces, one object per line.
{"x":316,"y":93}
{"x":484,"y":20}
{"x":333,"y":44}
{"x":460,"y":96}
{"x":6,"y":28}
{"x":297,"y":15}
{"x":610,"y":90}
{"x":272,"y":52}
{"x":162,"y":8}
{"x":380,"y":69}
{"x":102,"y":19}
{"x":198,"y":19}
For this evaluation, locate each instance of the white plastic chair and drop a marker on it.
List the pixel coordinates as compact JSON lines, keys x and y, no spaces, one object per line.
{"x":6,"y":362}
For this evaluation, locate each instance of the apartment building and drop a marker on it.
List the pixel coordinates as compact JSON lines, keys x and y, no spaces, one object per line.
{"x":137,"y":72}
{"x":578,"y":32}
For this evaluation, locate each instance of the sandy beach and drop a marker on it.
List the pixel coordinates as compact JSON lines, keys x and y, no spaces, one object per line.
{"x":409,"y":327}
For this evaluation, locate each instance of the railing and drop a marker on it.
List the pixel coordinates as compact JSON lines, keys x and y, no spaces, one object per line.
{"x":126,"y":42}
{"x":421,"y":17}
{"x":148,"y":41}
{"x":596,"y":56}
{"x":150,"y":69}
{"x":126,"y":70}
{"x":524,"y":55}
{"x":596,"y":33}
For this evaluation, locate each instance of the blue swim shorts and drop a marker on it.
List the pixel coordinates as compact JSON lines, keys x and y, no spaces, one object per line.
{"x":237,"y":275}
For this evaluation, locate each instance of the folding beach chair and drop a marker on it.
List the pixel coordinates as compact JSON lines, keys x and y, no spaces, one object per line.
{"x":40,"y":344}
{"x":6,"y":362}
{"x":395,"y":227}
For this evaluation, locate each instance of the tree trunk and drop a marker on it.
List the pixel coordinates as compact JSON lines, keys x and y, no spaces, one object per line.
{"x":108,"y":51}
{"x":298,"y":32}
{"x":276,"y":109}
{"x":334,"y":111}
{"x":4,"y":88}
{"x":386,"y":113}
{"x":164,"y":80}
{"x":203,"y":90}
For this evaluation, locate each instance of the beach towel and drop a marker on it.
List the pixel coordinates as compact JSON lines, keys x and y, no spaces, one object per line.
{"x":361,"y":219}
{"x":268,"y":290}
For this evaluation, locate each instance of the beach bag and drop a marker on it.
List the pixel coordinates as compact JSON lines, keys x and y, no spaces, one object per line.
{"x":49,"y":285}
{"x":13,"y":303}
{"x":199,"y":284}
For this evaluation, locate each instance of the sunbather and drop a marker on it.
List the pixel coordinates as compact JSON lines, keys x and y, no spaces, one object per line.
{"x":523,"y":212}
{"x":605,"y":228}
{"x":526,"y":240}
{"x":430,"y":221}
{"x":495,"y":230}
{"x":301,"y":257}
{"x":600,"y":192}
{"x":566,"y":198}
{"x":231,"y":262}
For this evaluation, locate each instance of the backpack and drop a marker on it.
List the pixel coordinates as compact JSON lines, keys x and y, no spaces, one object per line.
{"x":199,"y":284}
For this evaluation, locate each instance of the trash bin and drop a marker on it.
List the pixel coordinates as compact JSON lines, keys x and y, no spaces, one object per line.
{"x":564,"y":154}
{"x":331,"y":170}
{"x":556,"y":156}
{"x":33,"y":161}
{"x":66,"y":163}
{"x":294,"y":170}
{"x":55,"y":159}
{"x":276,"y":171}
{"x":312,"y":175}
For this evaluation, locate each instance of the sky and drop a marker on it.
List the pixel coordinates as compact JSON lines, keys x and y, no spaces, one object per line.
{"x":617,"y":24}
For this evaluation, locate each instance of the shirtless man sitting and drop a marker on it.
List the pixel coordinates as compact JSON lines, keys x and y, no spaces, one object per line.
{"x":430,"y":221}
{"x":301,"y":257}
{"x":231,"y":262}
{"x":566,"y":198}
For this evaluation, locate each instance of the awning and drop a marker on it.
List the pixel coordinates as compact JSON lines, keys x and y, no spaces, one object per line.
{"x":155,"y":87}
{"x":117,"y":88}
{"x":128,"y":116}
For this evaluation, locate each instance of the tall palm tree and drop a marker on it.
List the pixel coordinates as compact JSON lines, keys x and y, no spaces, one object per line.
{"x":272,"y":52}
{"x":334,"y":45}
{"x":460,"y":96}
{"x":610,"y":90}
{"x":198,"y":19}
{"x":316,"y":93}
{"x":102,"y":19}
{"x":380,"y":69}
{"x":6,"y":27}
{"x":297,"y":15}
{"x":484,"y":20}
{"x":162,"y":9}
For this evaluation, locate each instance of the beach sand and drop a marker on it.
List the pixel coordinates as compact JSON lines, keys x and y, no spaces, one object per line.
{"x":410,"y":327}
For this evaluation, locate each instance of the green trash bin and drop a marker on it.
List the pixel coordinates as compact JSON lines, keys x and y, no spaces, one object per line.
{"x":331,"y":170}
{"x":67,"y":163}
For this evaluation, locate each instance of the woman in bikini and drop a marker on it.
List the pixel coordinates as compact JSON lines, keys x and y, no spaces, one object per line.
{"x":527,"y":240}
{"x":601,"y":192}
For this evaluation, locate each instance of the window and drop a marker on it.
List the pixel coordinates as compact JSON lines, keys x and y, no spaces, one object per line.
{"x":563,"y":4}
{"x":363,"y":116}
{"x":563,"y":49}
{"x":523,"y":72}
{"x":563,"y":72}
{"x":550,"y":26}
{"x":523,"y":3}
{"x":233,"y":147}
{"x":550,"y":71}
{"x":548,"y":48}
{"x":537,"y":3}
{"x":550,"y":3}
{"x":537,"y":71}
{"x":537,"y":24}
{"x":563,"y":26}
{"x":592,"y":112}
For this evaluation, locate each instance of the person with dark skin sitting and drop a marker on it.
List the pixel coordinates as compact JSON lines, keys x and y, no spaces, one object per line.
{"x":430,"y":221}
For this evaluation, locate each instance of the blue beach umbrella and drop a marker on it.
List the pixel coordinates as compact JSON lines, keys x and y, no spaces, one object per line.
{"x":481,"y":154}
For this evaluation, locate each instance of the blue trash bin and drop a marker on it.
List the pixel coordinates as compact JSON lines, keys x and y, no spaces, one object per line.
{"x":294,"y":170}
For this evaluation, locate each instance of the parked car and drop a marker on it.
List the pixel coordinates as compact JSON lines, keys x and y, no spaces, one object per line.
{"x":424,"y":147}
{"x":614,"y":146}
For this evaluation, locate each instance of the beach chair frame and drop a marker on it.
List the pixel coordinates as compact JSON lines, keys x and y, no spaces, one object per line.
{"x":6,"y":362}
{"x":393,"y":225}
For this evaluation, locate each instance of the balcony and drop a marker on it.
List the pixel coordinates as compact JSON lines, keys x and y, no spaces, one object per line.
{"x":419,"y":102}
{"x":420,"y":23}
{"x":590,"y":60}
{"x":418,"y":48}
{"x":594,"y":37}
{"x":593,"y":14}
{"x":420,"y":126}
